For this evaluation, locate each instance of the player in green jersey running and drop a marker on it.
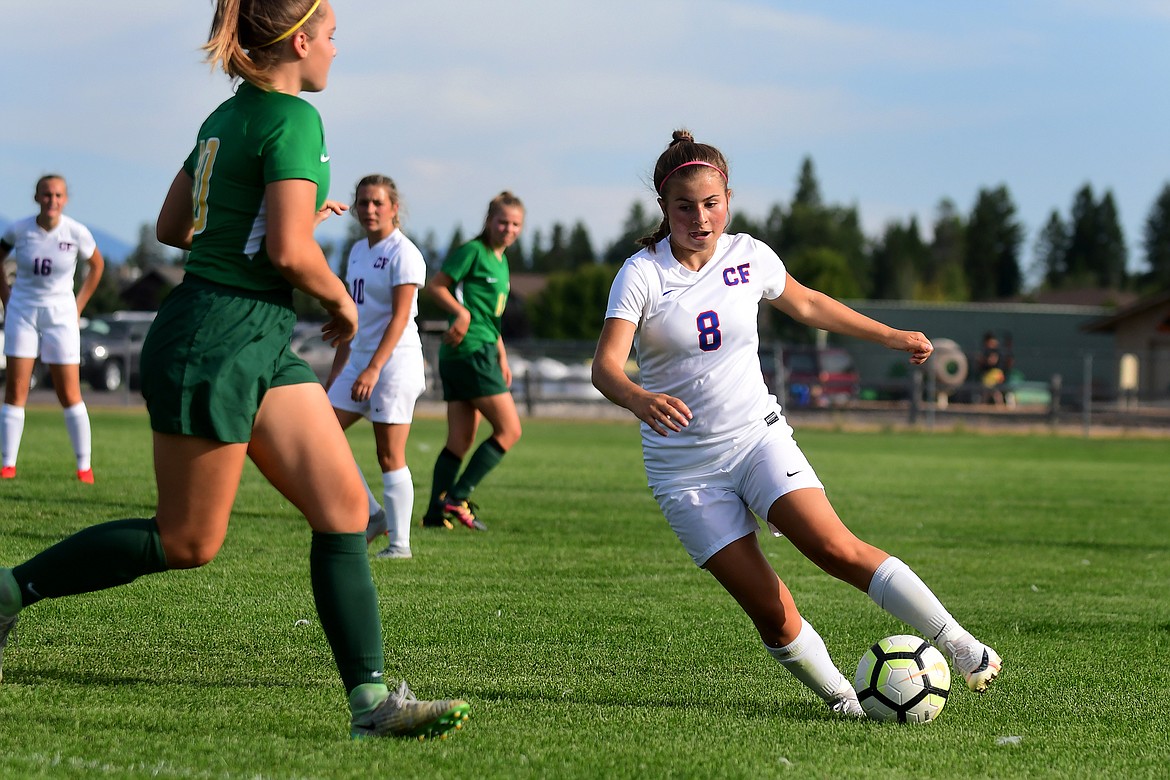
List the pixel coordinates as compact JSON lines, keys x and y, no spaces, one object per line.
{"x":472,"y":287}
{"x":219,"y":376}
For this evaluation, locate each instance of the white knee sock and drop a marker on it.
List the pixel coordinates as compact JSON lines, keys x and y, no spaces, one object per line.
{"x":11,"y":429}
{"x":77,"y":423}
{"x":898,"y":590}
{"x":398,"y":493}
{"x":808,"y":660}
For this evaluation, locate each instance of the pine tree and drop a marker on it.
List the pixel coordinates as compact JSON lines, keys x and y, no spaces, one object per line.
{"x":1051,"y":251}
{"x":1156,"y":240}
{"x":992,"y":247}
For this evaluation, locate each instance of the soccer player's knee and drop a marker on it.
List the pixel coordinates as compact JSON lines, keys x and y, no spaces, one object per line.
{"x":191,"y":555}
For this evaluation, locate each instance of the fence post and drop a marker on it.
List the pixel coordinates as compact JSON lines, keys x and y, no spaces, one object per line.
{"x":1054,"y":402}
{"x":778,"y":378}
{"x":1088,"y":393}
{"x":915,"y":394}
{"x":529,"y":401}
{"x":931,"y":399}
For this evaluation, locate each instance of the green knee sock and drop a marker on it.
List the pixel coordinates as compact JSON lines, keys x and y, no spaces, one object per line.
{"x":446,"y":470}
{"x":486,"y":457}
{"x":98,"y":557}
{"x":347,"y":605}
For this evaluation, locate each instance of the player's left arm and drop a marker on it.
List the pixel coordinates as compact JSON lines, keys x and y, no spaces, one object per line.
{"x":814,"y":308}
{"x":97,"y":265}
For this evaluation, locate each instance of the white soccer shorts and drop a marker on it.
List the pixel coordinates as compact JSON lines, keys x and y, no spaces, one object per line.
{"x":711,"y":510}
{"x":392,"y":401}
{"x":50,"y":332}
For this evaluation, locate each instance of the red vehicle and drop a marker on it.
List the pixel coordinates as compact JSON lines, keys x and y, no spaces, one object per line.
{"x":820,"y":377}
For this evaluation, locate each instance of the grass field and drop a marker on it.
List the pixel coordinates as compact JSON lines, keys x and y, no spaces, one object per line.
{"x":587,"y":643}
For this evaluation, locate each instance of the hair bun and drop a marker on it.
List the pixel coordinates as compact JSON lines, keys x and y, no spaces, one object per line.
{"x":682,"y":136}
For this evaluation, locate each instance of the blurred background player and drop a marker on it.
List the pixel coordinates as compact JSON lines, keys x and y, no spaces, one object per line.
{"x":381,"y":373}
{"x":715,"y":444}
{"x":219,"y":376}
{"x":42,"y":318}
{"x":472,"y":287}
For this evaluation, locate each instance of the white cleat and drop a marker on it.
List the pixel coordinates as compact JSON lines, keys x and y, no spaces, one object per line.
{"x":401,"y":553}
{"x":847,"y":705}
{"x":977,"y":662}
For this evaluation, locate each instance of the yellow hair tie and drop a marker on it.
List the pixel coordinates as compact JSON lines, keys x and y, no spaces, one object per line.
{"x":295,"y":27}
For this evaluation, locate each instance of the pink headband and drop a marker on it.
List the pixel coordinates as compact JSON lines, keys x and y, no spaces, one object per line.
{"x":716,"y":168}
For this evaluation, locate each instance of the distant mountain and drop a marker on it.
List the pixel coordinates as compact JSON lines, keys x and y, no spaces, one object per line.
{"x":112,"y":248}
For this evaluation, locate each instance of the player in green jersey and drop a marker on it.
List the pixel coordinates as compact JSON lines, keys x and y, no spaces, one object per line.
{"x":472,"y":287}
{"x":219,"y":376}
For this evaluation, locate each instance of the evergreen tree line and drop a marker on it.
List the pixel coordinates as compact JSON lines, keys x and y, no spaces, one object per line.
{"x":975,"y":256}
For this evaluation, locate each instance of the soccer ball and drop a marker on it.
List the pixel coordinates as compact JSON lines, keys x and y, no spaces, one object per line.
{"x":903,"y":678}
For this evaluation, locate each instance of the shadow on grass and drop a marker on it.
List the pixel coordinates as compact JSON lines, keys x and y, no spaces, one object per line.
{"x":802,"y":709}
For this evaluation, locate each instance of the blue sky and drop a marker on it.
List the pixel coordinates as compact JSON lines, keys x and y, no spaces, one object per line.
{"x":568,"y":104}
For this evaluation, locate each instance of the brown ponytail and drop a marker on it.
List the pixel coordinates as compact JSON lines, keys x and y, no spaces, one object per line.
{"x":243,"y":36}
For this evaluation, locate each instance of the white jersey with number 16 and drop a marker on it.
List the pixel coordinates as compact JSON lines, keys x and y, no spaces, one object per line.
{"x":46,"y":260}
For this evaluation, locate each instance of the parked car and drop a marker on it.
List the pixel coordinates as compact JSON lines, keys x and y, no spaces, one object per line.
{"x":111,"y":346}
{"x":820,"y":377}
{"x":314,"y":350}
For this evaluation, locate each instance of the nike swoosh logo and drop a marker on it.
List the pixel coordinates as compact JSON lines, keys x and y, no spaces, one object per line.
{"x":29,"y":587}
{"x":667,"y":292}
{"x":324,"y":158}
{"x":793,"y":473}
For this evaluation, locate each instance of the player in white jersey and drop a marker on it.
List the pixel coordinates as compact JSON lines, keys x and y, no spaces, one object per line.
{"x":380,"y":374}
{"x":716,"y":446}
{"x":41,"y":316}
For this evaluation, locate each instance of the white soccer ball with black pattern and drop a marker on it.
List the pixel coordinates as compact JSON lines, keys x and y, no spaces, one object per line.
{"x":903,"y":678}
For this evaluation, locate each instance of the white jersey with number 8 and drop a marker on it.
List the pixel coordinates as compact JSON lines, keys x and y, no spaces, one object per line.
{"x":698,"y":340}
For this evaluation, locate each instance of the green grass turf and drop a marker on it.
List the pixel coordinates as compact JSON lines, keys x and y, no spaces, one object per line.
{"x":585,"y":640}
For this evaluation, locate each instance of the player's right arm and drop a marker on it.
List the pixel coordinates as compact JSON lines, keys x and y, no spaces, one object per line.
{"x":662,"y":412}
{"x":439,"y":288}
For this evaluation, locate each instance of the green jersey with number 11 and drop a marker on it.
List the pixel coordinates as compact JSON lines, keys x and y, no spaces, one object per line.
{"x":252,"y":139}
{"x":482,"y":282}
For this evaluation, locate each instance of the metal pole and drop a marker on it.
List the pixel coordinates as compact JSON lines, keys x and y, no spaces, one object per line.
{"x":915,"y":394}
{"x":529,"y":401}
{"x":778,"y":374}
{"x":1054,"y":402}
{"x":1087,"y":396}
{"x":931,"y":399}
